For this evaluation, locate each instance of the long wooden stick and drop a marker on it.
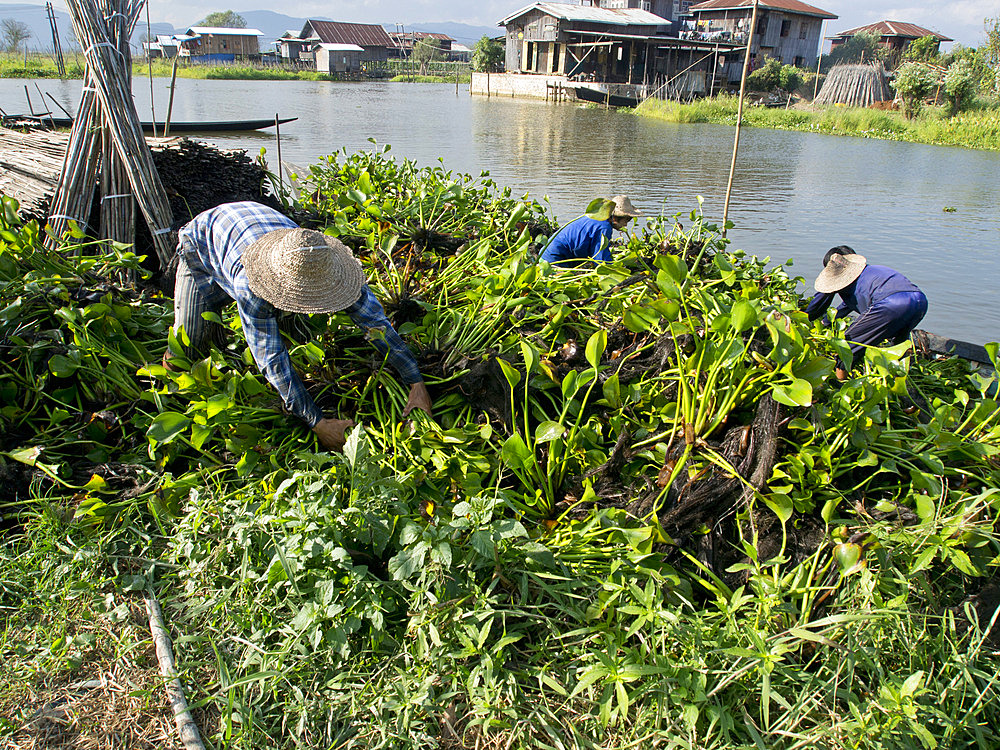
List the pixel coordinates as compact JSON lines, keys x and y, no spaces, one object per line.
{"x":186,"y":727}
{"x":739,"y":118}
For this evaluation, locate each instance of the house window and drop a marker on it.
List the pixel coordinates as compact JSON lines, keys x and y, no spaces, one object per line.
{"x":800,"y":62}
{"x":804,"y":31}
{"x":786,"y":27}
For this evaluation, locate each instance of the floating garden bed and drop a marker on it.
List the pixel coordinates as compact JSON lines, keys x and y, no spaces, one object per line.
{"x":643,"y":513}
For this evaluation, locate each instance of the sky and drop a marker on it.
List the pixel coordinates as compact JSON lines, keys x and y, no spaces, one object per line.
{"x":961,"y":20}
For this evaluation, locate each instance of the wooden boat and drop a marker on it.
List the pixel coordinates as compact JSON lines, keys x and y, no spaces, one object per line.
{"x":588,"y":94}
{"x":220,"y":126}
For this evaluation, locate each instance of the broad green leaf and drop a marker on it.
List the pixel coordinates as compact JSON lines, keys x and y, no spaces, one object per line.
{"x":596,"y":346}
{"x":926,"y":508}
{"x":674,"y":266}
{"x":797,"y":393}
{"x":166,"y":427}
{"x":510,"y":372}
{"x":781,"y":504}
{"x":848,"y":557}
{"x":743,"y":315}
{"x":600,"y":209}
{"x":516,"y":453}
{"x":548,"y":431}
{"x":530,"y":355}
{"x":62,"y":366}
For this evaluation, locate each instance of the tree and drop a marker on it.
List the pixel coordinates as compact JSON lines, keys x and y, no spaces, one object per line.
{"x":425,"y":52}
{"x":991,"y":49}
{"x":488,"y":56}
{"x":924,"y":49}
{"x":961,"y":84}
{"x":225,"y":19}
{"x":914,"y":82}
{"x":12,"y":34}
{"x":862,"y":46}
{"x":773,"y":75}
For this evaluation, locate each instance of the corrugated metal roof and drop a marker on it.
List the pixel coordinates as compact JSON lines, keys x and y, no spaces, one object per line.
{"x":896,"y":28}
{"x":789,"y":6}
{"x":342,"y":47}
{"x":611,"y":16}
{"x":202,"y":30}
{"x":362,"y":34}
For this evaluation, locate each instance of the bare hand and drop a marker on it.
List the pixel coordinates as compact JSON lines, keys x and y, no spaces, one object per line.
{"x":419,"y":399}
{"x":331,"y":432}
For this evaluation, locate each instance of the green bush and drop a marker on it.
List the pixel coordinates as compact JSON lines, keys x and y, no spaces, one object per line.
{"x":960,"y":85}
{"x":914,"y":82}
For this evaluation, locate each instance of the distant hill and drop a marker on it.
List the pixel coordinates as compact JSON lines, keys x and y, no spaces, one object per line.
{"x":35,"y":18}
{"x":272,"y":24}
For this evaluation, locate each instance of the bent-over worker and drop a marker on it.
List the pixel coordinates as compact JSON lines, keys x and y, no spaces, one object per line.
{"x":587,"y":237}
{"x":259,"y":258}
{"x":889,"y":305}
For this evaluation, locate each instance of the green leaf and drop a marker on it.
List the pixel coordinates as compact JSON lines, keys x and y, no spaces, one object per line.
{"x":548,"y":431}
{"x":510,"y":372}
{"x":62,"y":366}
{"x":992,"y":349}
{"x":166,"y":427}
{"x":600,"y":209}
{"x":596,"y":346}
{"x":515,"y":452}
{"x":530,"y":355}
{"x":742,"y":315}
{"x":781,"y":504}
{"x":798,"y":393}
{"x":848,"y":557}
{"x":926,"y":508}
{"x":674,"y":266}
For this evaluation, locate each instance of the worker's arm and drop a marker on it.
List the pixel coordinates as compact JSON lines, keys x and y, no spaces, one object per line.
{"x":260,"y":326}
{"x":818,"y":305}
{"x":369,"y":315}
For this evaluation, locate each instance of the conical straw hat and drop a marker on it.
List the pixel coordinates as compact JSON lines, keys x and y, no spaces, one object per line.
{"x":303,"y":271}
{"x":624,"y":207}
{"x":840,"y":272}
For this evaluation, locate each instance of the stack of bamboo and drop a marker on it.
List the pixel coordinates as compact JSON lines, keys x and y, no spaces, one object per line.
{"x":855,"y":86}
{"x":107,"y":135}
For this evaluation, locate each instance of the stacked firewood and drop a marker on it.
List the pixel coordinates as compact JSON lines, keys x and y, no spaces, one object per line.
{"x":855,"y":86}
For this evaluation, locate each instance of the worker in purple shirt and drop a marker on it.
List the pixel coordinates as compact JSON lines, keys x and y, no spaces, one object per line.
{"x":259,"y":258}
{"x":888,"y":304}
{"x":587,"y":237}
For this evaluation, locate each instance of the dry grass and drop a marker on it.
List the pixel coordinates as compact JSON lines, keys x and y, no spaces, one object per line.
{"x":111,"y":701}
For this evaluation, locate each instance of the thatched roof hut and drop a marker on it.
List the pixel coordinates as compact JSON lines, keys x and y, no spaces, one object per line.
{"x":856,"y":86}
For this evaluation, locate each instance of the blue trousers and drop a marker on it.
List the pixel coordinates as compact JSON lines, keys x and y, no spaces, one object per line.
{"x":890,"y":319}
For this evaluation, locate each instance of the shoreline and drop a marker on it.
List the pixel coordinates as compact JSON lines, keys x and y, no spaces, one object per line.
{"x":976,"y":129}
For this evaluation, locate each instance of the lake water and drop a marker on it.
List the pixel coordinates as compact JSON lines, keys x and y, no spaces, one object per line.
{"x":795,"y":194}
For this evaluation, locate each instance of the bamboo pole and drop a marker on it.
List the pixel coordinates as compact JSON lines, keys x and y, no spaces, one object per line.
{"x":149,"y":63}
{"x":170,"y":102}
{"x":739,"y":117}
{"x":819,"y":58}
{"x":187,"y":729}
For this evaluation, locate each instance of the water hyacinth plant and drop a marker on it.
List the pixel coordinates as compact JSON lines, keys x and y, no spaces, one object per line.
{"x":642,"y":515}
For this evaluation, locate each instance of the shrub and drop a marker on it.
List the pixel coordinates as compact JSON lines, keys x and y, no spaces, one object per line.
{"x":914,"y":81}
{"x":960,"y":85}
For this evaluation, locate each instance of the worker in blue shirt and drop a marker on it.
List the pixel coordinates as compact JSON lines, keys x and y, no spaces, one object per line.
{"x":589,"y":235}
{"x":888,"y":304}
{"x":259,"y":258}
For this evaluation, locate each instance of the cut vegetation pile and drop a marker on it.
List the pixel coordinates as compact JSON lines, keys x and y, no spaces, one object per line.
{"x":642,"y":515}
{"x":855,"y":86}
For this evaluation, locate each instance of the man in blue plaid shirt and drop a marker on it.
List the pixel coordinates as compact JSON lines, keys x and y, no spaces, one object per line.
{"x":259,"y":258}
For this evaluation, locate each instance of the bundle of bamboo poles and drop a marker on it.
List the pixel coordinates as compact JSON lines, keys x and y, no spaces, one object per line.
{"x":855,"y":85}
{"x":107,"y":125}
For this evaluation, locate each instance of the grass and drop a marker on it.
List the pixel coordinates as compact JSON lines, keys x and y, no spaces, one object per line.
{"x":462,"y":78}
{"x":978,"y":128}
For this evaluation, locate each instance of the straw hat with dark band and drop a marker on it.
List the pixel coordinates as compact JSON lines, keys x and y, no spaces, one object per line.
{"x":624,"y":207}
{"x":303,"y":271}
{"x":840,"y":272}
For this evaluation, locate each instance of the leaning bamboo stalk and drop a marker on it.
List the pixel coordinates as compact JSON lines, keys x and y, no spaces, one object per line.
{"x":739,"y":117}
{"x":121,"y":119}
{"x":75,"y":190}
{"x":186,"y":726}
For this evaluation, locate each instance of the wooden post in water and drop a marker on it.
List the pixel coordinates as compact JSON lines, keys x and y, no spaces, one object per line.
{"x":739,"y":116}
{"x":819,"y":60}
{"x":170,"y":103}
{"x":277,"y":137}
{"x":149,"y":63}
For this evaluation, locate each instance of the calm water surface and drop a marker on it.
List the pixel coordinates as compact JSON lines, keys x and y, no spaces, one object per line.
{"x":795,"y":194}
